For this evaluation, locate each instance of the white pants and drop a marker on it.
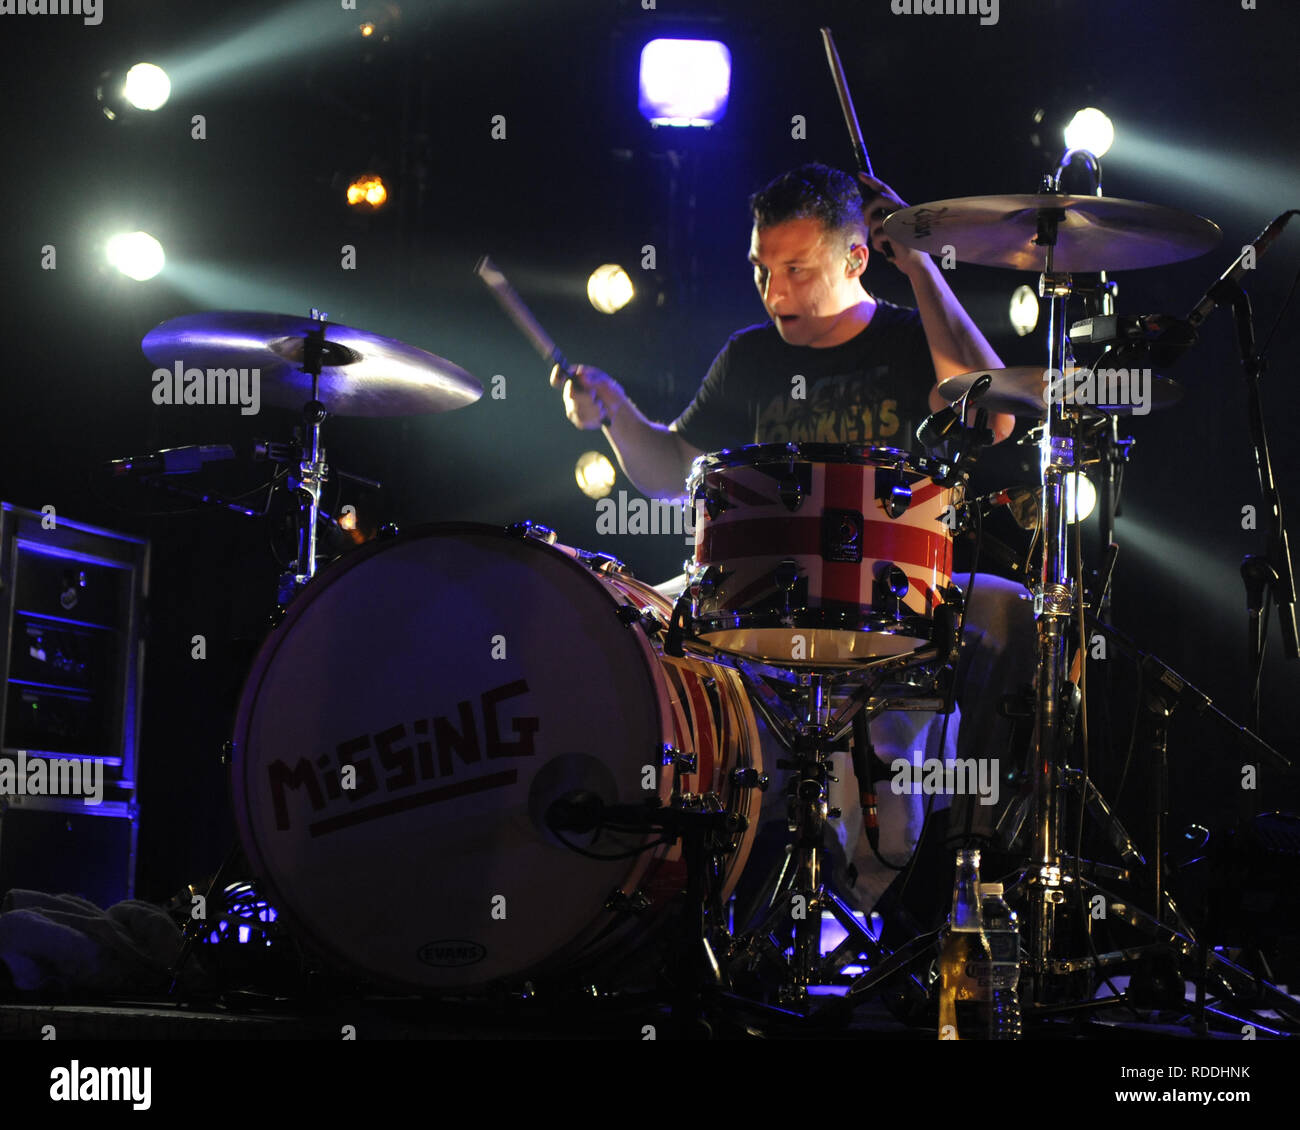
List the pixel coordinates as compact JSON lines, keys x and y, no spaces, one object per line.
{"x":997,"y":658}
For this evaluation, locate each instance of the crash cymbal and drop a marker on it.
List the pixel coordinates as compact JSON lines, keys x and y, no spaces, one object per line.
{"x":362,"y":374}
{"x":1094,"y":233}
{"x":1023,"y":391}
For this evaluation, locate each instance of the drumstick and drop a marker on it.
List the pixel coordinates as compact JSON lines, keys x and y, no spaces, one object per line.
{"x":846,"y":104}
{"x":522,"y":317}
{"x":850,"y":115}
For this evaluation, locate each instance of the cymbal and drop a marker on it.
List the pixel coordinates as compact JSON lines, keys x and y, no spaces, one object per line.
{"x":362,"y":374}
{"x":1023,"y":391}
{"x":1094,"y":233}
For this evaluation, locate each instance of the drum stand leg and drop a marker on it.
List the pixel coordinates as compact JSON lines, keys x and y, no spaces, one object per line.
{"x":195,"y":928}
{"x":789,"y":934}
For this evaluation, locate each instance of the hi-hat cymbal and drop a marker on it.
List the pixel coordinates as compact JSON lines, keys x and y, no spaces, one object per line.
{"x":362,"y":374}
{"x":1024,"y":390}
{"x":1093,"y":233}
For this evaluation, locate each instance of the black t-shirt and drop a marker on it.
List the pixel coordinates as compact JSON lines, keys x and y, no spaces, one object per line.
{"x":872,"y":389}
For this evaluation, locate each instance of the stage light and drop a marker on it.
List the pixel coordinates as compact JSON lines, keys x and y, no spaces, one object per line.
{"x":143,"y":87}
{"x":609,"y":288}
{"x":684,"y":82}
{"x":368,"y":29}
{"x":136,"y":254}
{"x":368,"y":191}
{"x":1080,"y":486}
{"x":595,"y":474}
{"x":1024,"y":310}
{"x":147,"y":87}
{"x":1090,"y":129}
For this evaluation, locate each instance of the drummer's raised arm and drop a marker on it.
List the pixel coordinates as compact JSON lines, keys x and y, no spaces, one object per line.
{"x":956,"y":344}
{"x":652,"y":455}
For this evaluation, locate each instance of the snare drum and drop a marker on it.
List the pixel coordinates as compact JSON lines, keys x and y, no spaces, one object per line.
{"x":407,"y":729}
{"x":818,"y":554}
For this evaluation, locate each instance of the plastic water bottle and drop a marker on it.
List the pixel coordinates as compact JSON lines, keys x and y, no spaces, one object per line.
{"x":1003,"y":934}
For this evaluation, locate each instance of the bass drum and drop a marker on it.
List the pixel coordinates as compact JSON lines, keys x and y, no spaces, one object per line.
{"x":426,"y":702}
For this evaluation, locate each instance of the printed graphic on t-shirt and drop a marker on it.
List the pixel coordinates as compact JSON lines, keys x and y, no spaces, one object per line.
{"x":838,"y":409}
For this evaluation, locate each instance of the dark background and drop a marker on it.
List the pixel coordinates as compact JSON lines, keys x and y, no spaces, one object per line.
{"x":1203,"y":95}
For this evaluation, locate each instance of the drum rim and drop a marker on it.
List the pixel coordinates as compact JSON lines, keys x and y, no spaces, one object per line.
{"x":307,"y":933}
{"x":843,"y":454}
{"x":815,"y":620}
{"x":751,"y":454}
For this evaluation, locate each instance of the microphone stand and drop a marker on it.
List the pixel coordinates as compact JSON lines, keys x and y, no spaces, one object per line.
{"x":1272,"y":569}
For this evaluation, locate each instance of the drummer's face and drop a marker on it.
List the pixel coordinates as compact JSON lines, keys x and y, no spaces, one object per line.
{"x":805,"y":282}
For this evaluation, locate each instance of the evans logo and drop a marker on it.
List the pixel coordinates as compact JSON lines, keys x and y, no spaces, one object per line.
{"x":452,"y":952}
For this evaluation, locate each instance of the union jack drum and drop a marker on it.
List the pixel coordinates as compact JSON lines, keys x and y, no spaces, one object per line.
{"x":811,"y":555}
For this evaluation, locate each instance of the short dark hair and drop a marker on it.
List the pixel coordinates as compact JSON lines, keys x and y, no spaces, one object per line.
{"x":813,"y":192}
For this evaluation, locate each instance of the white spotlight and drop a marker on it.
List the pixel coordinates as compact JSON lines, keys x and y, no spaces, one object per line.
{"x":147,"y":86}
{"x":1090,"y":129}
{"x":595,"y":474}
{"x":136,"y":254}
{"x":1024,"y":310}
{"x":1080,"y":497}
{"x":609,"y":288}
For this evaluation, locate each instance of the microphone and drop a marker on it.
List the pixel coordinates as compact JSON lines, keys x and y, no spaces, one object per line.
{"x":1021,"y":501}
{"x":1160,"y":339}
{"x":576,"y":811}
{"x":171,"y":460}
{"x":938,"y":427}
{"x":1213,"y":296}
{"x":863,"y":755}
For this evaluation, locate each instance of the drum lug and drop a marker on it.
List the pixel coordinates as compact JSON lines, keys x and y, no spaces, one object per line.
{"x":682,"y":762}
{"x":704,"y":584}
{"x":890,"y":586}
{"x":749,"y":778}
{"x":529,"y":529}
{"x":893,"y":491}
{"x":629,"y":615}
{"x":791,"y":493}
{"x":715,"y":502}
{"x":651,"y":623}
{"x":635,"y":903}
{"x":786,"y":575}
{"x":603,"y":563}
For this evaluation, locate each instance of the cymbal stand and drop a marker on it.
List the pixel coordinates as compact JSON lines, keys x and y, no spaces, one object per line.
{"x":312,"y":468}
{"x":1053,"y":607}
{"x":1043,"y":878}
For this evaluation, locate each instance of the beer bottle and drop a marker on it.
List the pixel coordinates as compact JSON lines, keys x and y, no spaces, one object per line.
{"x":965,"y":961}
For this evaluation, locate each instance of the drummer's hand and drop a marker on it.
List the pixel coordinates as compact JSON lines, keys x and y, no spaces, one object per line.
{"x":879,"y":201}
{"x":591,"y":400}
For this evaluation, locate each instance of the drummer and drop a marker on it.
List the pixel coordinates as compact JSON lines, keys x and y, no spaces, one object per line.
{"x":869,"y":375}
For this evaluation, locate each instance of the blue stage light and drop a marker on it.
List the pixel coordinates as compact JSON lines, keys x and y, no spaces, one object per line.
{"x":684,"y":82}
